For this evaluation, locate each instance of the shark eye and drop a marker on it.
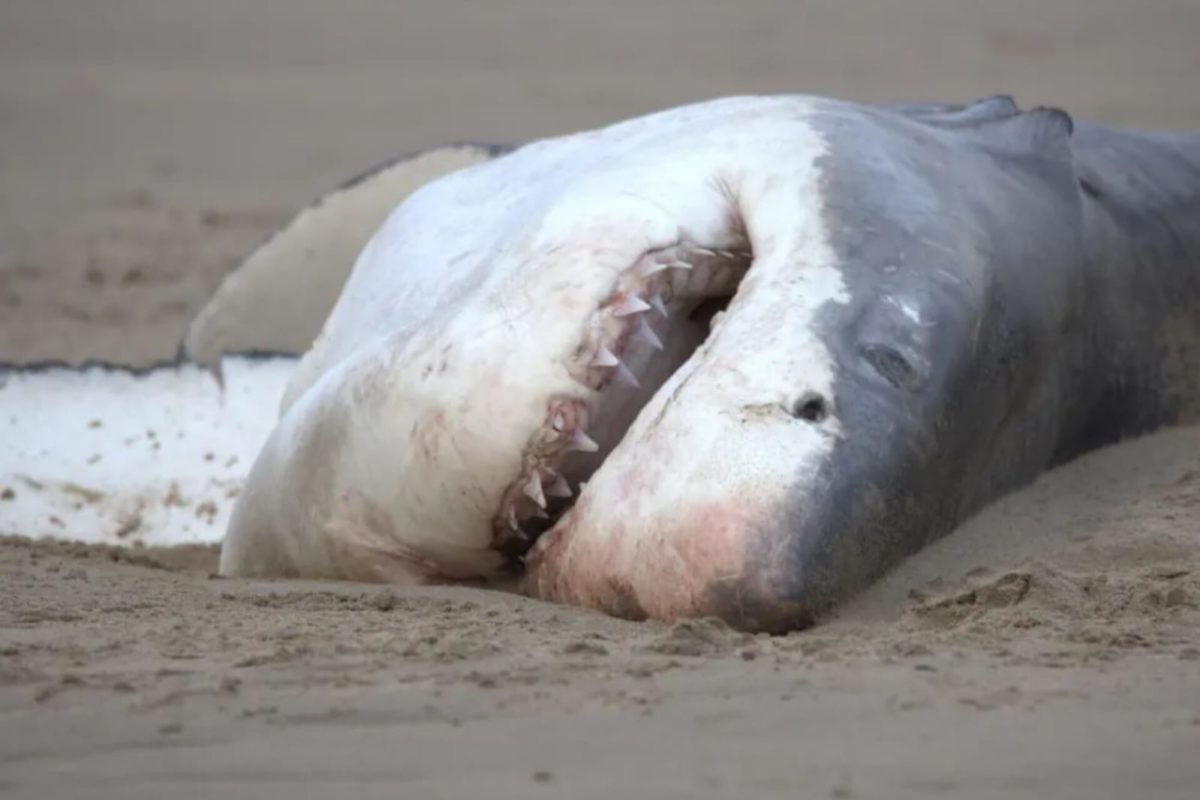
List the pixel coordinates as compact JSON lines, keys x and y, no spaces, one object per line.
{"x":811,"y":407}
{"x":893,"y":367}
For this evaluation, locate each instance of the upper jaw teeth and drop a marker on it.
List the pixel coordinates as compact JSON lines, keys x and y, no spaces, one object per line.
{"x":625,"y":376}
{"x":629,"y":304}
{"x":650,"y":285}
{"x":581,"y":442}
{"x":645,"y":334}
{"x":605,"y":358}
{"x":559,"y":488}
{"x":655,"y":267}
{"x":533,"y":489}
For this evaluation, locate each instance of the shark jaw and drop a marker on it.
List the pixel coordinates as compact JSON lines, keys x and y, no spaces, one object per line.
{"x":676,"y":518}
{"x":592,"y":360}
{"x":656,"y":316}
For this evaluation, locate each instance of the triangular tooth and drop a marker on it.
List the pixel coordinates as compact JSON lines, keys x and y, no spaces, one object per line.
{"x":625,"y":376}
{"x":645,"y":333}
{"x":559,"y":423}
{"x":605,"y":358}
{"x":560,"y":487}
{"x":533,"y":489}
{"x":656,"y":302}
{"x":582,"y":442}
{"x":539,"y":514}
{"x":511,"y":517}
{"x":656,"y":267}
{"x":630,"y":304}
{"x":704,"y":251}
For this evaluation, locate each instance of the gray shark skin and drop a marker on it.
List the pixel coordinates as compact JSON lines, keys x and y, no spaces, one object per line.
{"x":924,"y":307}
{"x":1054,"y":272}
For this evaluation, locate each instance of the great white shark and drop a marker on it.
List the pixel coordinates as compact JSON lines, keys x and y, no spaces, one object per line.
{"x":735,"y":359}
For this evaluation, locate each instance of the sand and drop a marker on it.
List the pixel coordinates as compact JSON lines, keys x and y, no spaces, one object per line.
{"x":1050,"y":648}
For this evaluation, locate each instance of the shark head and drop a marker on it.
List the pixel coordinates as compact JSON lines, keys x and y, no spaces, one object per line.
{"x":731,"y":359}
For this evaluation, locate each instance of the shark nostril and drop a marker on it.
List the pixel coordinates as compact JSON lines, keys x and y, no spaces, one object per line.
{"x":811,"y":407}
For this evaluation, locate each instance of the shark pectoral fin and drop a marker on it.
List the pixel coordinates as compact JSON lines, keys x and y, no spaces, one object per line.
{"x":278,"y":298}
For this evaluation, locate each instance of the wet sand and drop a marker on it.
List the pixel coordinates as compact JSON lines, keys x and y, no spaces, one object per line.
{"x":1050,"y":648}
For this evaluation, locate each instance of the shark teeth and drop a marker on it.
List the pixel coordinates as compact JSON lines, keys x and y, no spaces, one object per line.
{"x":655,"y":267}
{"x":559,"y":488}
{"x":541,"y":491}
{"x":629,"y":304}
{"x":605,"y":358}
{"x":581,"y":442}
{"x":625,"y":375}
{"x":646,"y":334}
{"x":533,"y":489}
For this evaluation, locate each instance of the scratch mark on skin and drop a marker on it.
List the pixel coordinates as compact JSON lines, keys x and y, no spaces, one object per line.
{"x":658,"y":418}
{"x":481,"y":500}
{"x":936,"y":245}
{"x":509,"y":319}
{"x":723,"y":187}
{"x":649,"y":202}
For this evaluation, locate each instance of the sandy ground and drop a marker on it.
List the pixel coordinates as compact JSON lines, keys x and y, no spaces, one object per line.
{"x":1051,"y":648}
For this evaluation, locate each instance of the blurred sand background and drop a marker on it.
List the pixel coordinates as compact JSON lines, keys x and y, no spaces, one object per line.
{"x":1050,"y":649}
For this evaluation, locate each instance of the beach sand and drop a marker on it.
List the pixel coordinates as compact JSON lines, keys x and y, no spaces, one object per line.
{"x":1050,"y":648}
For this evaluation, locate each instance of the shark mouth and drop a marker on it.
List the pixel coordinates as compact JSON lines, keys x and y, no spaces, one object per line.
{"x":658,"y":314}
